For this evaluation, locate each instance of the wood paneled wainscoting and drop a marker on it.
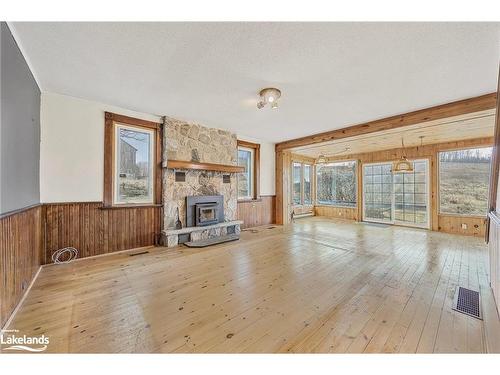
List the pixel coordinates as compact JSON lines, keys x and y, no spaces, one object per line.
{"x":257,"y":212}
{"x":95,"y":230}
{"x":21,"y":244}
{"x":350,"y":213}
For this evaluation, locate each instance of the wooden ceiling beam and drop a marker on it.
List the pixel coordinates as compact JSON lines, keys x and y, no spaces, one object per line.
{"x":461,"y":107}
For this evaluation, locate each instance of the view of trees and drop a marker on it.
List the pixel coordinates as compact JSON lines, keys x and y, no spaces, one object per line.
{"x":473,"y":155}
{"x":336,"y":184}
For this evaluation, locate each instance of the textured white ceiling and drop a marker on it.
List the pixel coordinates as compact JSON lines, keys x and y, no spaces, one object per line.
{"x":332,"y":75}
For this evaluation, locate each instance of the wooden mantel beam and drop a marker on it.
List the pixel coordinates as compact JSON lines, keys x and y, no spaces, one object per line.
{"x":461,"y":107}
{"x":180,"y":164}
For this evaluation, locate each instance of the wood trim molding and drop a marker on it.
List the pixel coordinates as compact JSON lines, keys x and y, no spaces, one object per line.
{"x":460,"y":107}
{"x":19,"y":210}
{"x":132,"y":121}
{"x":180,"y":164}
{"x":110,"y":119}
{"x":248,"y":144}
{"x":256,"y":165}
{"x":495,"y":161}
{"x":495,"y":157}
{"x":303,"y":159}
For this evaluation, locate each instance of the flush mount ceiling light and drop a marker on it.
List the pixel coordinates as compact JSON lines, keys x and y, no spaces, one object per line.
{"x":402,"y":165}
{"x":269,"y":96}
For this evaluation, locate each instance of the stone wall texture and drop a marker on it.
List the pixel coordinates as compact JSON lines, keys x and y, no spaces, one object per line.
{"x":192,"y":142}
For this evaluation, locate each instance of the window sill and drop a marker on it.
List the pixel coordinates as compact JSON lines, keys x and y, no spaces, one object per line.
{"x":117,"y":207}
{"x":249,"y":200}
{"x":335,"y":206}
{"x":463,"y":215}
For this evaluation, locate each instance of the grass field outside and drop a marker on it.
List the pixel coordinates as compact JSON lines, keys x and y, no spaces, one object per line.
{"x":463,"y":187}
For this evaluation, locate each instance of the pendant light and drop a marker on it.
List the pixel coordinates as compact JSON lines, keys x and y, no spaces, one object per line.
{"x":322,"y":159}
{"x":403,"y":165}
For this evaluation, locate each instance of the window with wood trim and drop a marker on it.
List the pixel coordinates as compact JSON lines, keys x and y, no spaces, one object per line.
{"x":464,"y":181}
{"x":132,"y":161}
{"x":248,"y":180}
{"x":296,"y":183}
{"x":336,"y":184}
{"x":301,"y":183}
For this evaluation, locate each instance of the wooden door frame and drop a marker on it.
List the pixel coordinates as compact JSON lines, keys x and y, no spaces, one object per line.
{"x":495,"y":161}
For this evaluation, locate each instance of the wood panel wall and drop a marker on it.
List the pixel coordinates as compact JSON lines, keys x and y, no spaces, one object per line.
{"x":95,"y":230}
{"x":475,"y":226}
{"x":20,"y":256}
{"x":337,"y":212}
{"x":258,"y":212}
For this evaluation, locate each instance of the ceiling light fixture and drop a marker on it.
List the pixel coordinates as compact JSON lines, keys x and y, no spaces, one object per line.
{"x":270,"y":96}
{"x":322,"y":159}
{"x":403,"y":165}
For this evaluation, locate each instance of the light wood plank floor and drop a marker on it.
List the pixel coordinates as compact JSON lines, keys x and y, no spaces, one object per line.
{"x":322,"y":285}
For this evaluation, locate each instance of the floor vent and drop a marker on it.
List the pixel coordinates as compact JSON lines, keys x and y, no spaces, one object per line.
{"x":467,"y":302}
{"x":141,"y":253}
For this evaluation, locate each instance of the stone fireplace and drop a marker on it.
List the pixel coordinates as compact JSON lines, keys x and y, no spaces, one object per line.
{"x":201,"y":198}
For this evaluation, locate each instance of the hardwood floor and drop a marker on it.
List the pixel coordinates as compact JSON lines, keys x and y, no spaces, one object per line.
{"x":322,"y":285}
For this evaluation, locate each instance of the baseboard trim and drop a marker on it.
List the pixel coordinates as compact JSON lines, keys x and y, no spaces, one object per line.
{"x":309,"y":214}
{"x":103,"y":255}
{"x":21,"y":301}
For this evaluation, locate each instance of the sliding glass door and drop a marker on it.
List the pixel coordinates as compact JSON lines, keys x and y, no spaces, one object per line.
{"x":411,"y":196}
{"x":396,"y":198}
{"x":377,"y":193}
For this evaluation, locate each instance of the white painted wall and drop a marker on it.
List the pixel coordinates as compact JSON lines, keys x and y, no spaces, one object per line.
{"x":72,"y":149}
